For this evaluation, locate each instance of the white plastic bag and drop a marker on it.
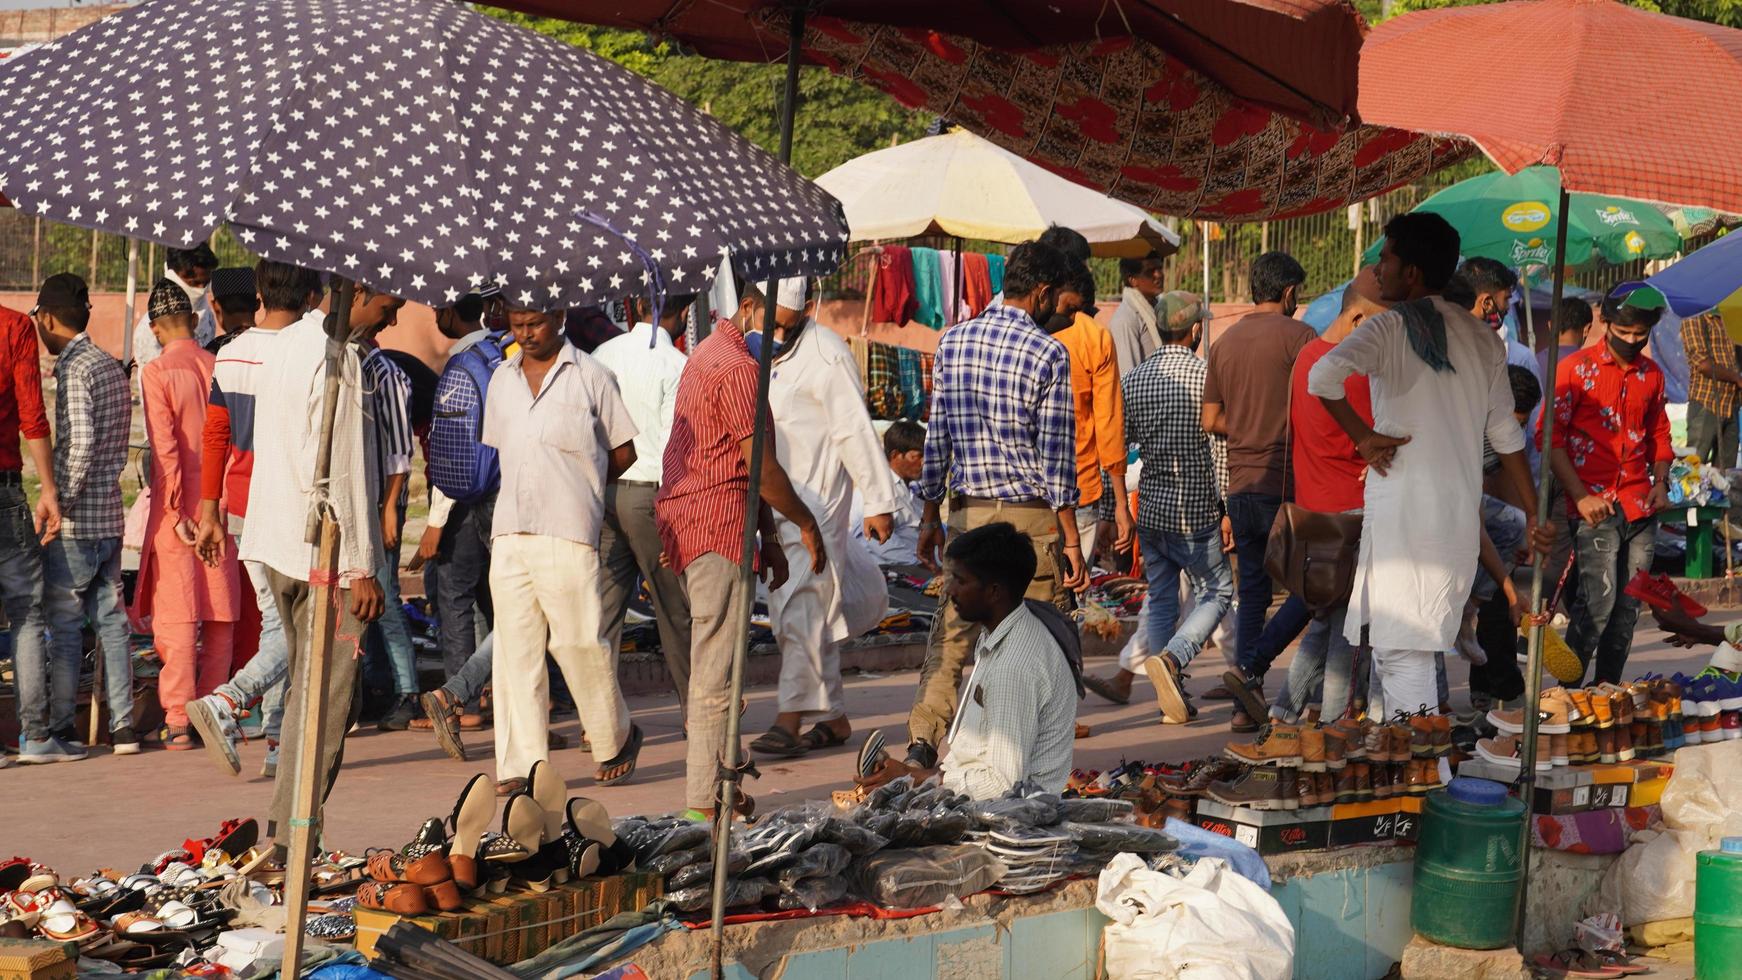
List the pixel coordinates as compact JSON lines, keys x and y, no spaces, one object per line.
{"x":1654,"y":877}
{"x":1213,"y":924}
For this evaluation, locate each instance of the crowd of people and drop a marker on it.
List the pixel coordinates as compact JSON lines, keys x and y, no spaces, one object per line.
{"x":563,"y":476}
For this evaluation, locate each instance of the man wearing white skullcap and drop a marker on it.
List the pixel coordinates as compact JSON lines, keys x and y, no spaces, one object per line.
{"x":827,"y":445}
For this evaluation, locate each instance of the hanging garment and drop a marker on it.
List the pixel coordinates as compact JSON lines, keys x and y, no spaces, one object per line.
{"x":912,"y":387}
{"x":995,"y":272}
{"x":978,"y":285}
{"x":895,"y":301}
{"x":925,"y":362}
{"x":882,"y":389}
{"x":949,"y":288}
{"x":928,"y":287}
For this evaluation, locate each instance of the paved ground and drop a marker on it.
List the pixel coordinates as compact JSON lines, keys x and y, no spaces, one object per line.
{"x":120,"y":811}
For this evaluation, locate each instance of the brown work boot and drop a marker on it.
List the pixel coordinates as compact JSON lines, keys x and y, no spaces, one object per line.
{"x":1306,"y":791}
{"x":1421,"y":774}
{"x":1312,"y":748}
{"x":1584,"y":748}
{"x":1581,"y":700}
{"x":1277,"y":745}
{"x":1442,"y":735}
{"x":1260,"y":789}
{"x":1363,"y":781}
{"x":1401,"y":750}
{"x":1624,"y":743}
{"x":1421,"y":734}
{"x":1207,"y":771}
{"x":1383,"y":779}
{"x":1336,"y":749}
{"x":1344,"y":791}
{"x":1288,"y":786}
{"x":1560,"y":750}
{"x":1603,"y":708}
{"x":1354,"y":733}
{"x":1606,"y":746}
{"x":1325,"y":786}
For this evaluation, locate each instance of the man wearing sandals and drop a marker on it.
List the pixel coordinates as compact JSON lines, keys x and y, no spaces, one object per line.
{"x":826,"y":444}
{"x":560,"y":427}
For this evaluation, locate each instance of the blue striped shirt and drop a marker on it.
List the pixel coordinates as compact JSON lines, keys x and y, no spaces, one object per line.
{"x":1002,"y":422}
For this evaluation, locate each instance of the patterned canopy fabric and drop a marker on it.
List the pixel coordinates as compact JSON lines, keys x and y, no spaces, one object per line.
{"x":1294,"y":56}
{"x":414,"y":145}
{"x":1626,"y":102}
{"x":1126,"y":118}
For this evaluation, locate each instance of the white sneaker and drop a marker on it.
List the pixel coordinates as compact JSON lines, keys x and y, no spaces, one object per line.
{"x":212,"y":718}
{"x":269,"y":768}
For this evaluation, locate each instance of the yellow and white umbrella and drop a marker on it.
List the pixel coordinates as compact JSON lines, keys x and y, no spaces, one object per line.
{"x":961,"y":185}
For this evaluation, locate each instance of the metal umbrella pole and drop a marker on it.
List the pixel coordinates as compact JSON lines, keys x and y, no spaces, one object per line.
{"x":132,"y":297}
{"x":729,"y":774}
{"x":1533,"y":667}
{"x":322,"y":531}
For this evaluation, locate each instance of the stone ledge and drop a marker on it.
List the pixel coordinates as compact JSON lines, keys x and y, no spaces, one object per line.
{"x":1423,"y":960}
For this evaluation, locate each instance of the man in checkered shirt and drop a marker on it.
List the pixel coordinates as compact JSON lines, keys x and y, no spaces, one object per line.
{"x":1002,"y":446}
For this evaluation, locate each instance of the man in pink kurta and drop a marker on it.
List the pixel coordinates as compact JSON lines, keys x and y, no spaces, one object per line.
{"x":193,"y":606}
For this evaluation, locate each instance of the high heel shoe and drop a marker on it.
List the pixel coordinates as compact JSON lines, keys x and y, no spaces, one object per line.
{"x":588,"y":821}
{"x":547,"y":789}
{"x":523,"y":825}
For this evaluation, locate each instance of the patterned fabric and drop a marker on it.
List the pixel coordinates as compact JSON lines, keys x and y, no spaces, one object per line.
{"x":913,"y":393}
{"x":543,"y":243}
{"x":925,"y":368}
{"x":1705,"y":340}
{"x":1675,"y":149}
{"x":1178,"y":492}
{"x":93,"y":413}
{"x":21,"y":408}
{"x":1130,"y":119}
{"x":389,"y":389}
{"x":230,"y":418}
{"x":1002,"y":423}
{"x":700,"y":507}
{"x":1610,"y":420}
{"x":882,"y":381}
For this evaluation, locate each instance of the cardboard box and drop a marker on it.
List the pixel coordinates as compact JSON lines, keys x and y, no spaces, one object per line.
{"x":373,"y":923}
{"x":1374,"y":822}
{"x":1648,"y":792}
{"x":38,"y":959}
{"x":1269,"y":831}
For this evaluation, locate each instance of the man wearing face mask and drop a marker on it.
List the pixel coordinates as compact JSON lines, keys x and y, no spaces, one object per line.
{"x":1099,"y":409}
{"x":1002,"y":446}
{"x":1492,"y":284}
{"x":1611,"y":453}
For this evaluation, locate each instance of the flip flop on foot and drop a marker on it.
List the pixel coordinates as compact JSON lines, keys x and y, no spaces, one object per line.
{"x":821,"y":736}
{"x":618,"y":770}
{"x":779,"y":742}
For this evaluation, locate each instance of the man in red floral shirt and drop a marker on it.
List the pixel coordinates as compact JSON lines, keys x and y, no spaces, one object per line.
{"x":1611,"y":453}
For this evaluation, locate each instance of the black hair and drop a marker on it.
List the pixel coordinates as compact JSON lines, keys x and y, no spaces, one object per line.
{"x":1428,"y":242}
{"x":679,"y":303}
{"x":995,"y":552}
{"x":469,"y":308}
{"x":283,"y":286}
{"x":1526,"y":390}
{"x":1616,"y":311}
{"x":903,"y":437}
{"x":1486,"y":275}
{"x":74,"y":316}
{"x":1272,"y":274}
{"x":1032,"y":265}
{"x":1130,"y":268}
{"x":1574,"y":314}
{"x":1067,"y":240}
{"x":1458,"y":291}
{"x":181,"y":260}
{"x":238,"y":302}
{"x":1082,"y":282}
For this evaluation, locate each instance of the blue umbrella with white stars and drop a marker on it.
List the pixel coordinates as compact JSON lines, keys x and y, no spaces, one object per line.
{"x":413,"y":145}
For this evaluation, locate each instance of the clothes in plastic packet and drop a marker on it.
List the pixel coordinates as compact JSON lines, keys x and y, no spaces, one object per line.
{"x":671,"y":861}
{"x":817,"y":861}
{"x":702,"y":872}
{"x":1094,"y":810}
{"x":740,"y":892}
{"x":1038,"y":811}
{"x":924,"y":876}
{"x":1117,"y":837}
{"x":813,"y":893}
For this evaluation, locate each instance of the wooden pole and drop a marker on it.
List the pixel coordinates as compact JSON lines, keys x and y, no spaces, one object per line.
{"x":322,"y":530}
{"x":747,"y":557}
{"x":132,"y":300}
{"x":36,"y":253}
{"x":1539,"y":562}
{"x":91,"y":280}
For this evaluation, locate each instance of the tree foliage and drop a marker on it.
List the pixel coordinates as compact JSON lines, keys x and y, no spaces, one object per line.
{"x":838,"y":118}
{"x":1726,"y":12}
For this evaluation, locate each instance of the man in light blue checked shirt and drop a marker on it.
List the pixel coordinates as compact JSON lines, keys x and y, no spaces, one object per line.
{"x":1002,"y":446}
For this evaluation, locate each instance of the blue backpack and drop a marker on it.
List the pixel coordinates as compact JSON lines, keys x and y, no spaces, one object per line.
{"x":460,"y":465}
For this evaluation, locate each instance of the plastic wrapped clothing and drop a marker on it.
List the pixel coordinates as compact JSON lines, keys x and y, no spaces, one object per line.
{"x":1654,"y":878}
{"x":925,"y":876}
{"x":1213,"y":924}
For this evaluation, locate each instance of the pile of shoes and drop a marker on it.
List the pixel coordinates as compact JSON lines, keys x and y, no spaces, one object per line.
{"x":1042,"y":839}
{"x":1610,"y":723}
{"x":1288,"y":767}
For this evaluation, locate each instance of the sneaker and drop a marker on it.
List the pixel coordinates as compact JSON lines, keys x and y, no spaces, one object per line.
{"x":1165,"y":674}
{"x":1559,"y":750}
{"x":70,"y":736}
{"x":124,"y":741}
{"x":269,"y":768}
{"x":1732,"y":724}
{"x":1202,"y":775}
{"x":1277,"y":745}
{"x":32,"y":752}
{"x":1260,"y":789}
{"x":1503,"y":751}
{"x":1421,"y":734}
{"x":398,"y":717}
{"x":1289,"y":788}
{"x":1554,"y":717}
{"x":214,"y":718}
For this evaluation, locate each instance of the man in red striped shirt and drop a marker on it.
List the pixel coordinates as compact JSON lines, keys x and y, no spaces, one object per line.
{"x":700,"y":512}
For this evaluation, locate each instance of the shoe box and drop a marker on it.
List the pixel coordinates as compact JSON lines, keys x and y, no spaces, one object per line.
{"x":1268,"y":831}
{"x":519,"y":923}
{"x":1376,"y":822}
{"x":38,"y":959}
{"x":1576,"y":789}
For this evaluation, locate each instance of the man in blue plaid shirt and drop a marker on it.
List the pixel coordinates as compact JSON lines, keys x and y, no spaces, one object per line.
{"x":1002,"y":446}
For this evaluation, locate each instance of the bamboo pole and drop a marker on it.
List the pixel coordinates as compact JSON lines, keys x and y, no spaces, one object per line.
{"x":323,"y":531}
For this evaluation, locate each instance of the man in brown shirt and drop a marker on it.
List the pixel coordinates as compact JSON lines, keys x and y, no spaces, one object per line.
{"x":1246,"y":400}
{"x":1713,"y":383}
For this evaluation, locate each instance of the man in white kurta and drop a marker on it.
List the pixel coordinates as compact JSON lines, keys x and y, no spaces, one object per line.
{"x":1420,"y":534}
{"x":827,"y":445}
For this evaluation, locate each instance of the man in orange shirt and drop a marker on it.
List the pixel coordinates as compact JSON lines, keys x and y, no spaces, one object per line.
{"x":1099,"y":408}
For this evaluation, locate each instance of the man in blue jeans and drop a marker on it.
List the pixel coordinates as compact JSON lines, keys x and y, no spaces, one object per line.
{"x":1179,"y":517}
{"x":21,"y":531}
{"x":1246,"y":399}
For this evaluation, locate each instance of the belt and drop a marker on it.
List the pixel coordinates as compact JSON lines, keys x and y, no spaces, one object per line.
{"x":959,"y":499}
{"x":11,"y":478}
{"x":638,"y":483}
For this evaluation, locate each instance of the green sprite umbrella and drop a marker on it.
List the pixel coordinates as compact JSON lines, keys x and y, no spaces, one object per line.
{"x":1510,"y":217}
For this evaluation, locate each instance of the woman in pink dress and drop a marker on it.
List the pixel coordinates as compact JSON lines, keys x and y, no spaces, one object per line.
{"x":192,"y":606}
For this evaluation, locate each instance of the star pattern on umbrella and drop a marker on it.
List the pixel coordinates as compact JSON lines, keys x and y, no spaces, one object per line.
{"x":414,"y":145}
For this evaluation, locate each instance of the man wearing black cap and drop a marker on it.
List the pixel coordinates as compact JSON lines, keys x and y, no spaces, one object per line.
{"x":191,"y":269}
{"x":234,"y":304}
{"x":82,"y":565}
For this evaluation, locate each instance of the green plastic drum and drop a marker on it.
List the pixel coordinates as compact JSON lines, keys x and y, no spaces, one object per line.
{"x":1718,"y":912}
{"x":1467,"y":866}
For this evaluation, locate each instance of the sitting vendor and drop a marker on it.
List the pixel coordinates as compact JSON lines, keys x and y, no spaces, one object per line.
{"x":1019,"y":706}
{"x":904,"y":446}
